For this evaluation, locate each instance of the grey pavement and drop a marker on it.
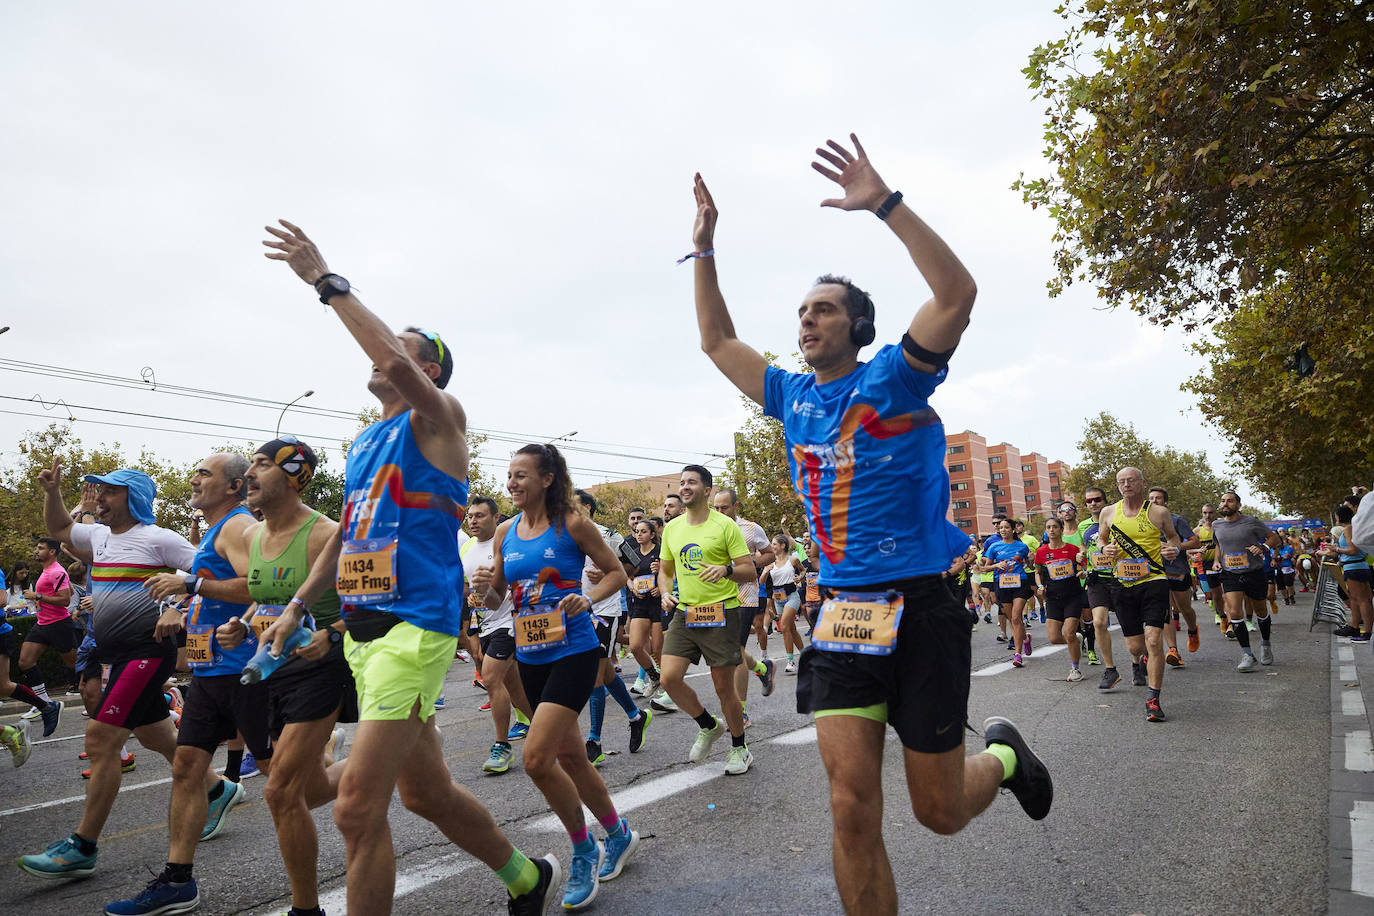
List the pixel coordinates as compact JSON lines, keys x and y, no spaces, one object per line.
{"x":1226,"y":808}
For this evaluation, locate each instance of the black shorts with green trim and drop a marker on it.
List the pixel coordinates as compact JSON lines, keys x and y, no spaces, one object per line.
{"x":924,"y":682}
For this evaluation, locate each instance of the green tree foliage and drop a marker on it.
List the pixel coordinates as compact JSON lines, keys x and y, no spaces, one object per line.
{"x":1108,"y":445}
{"x":1204,"y":151}
{"x":613,"y":503}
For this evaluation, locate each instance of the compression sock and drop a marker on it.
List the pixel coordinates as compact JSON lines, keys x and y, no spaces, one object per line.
{"x":1242,"y":633}
{"x":706,"y":720}
{"x":580,"y":838}
{"x":611,"y":823}
{"x":1006,"y":756}
{"x":596,"y":713}
{"x":621,"y":694}
{"x":643,"y":675}
{"x":24,"y":694}
{"x":34,"y":680}
{"x":1264,"y":624}
{"x":231,"y":767}
{"x":519,"y":875}
{"x":177,"y":872}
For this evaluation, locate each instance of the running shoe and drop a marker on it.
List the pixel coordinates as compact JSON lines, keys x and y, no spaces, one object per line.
{"x":159,"y":897}
{"x":739,"y":761}
{"x":175,"y":700}
{"x":790,"y":668}
{"x":219,"y":809}
{"x":1152,"y":711}
{"x":1360,"y":637}
{"x":1110,"y":678}
{"x":334,"y":745}
{"x":618,"y":850}
{"x":582,"y":878}
{"x":127,"y":764}
{"x":1247,"y":662}
{"x":1031,"y":783}
{"x":594,"y":755}
{"x":1016,"y":660}
{"x":1011,"y":643}
{"x":485,"y":707}
{"x":769,"y":677}
{"x":1138,"y":674}
{"x":1217,"y":621}
{"x":638,"y":726}
{"x":1230,"y":632}
{"x":499,"y":761}
{"x":1092,"y":658}
{"x":987,"y":618}
{"x":32,"y":713}
{"x":535,"y":902}
{"x":1026,"y":645}
{"x":518,"y":731}
{"x":1042,"y":615}
{"x":1266,"y":655}
{"x":662,"y":702}
{"x":13,"y":737}
{"x":248,"y":767}
{"x":478,"y":683}
{"x":462,"y":656}
{"x":1074,"y":675}
{"x":63,"y":859}
{"x":706,"y":737}
{"x":51,"y":714}
{"x":747,"y":721}
{"x":1253,"y":627}
{"x":637,"y":688}
{"x":440,"y":702}
{"x":1173,"y":658}
{"x":1194,"y":641}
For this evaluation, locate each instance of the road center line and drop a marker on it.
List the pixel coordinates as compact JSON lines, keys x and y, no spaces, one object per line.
{"x":80,"y":798}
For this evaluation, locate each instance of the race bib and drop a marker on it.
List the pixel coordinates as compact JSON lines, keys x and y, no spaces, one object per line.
{"x":779,"y":596}
{"x":200,"y":651}
{"x":266,"y":615}
{"x":1236,"y":560}
{"x":1286,"y":570}
{"x":862,"y":622}
{"x":1009,"y":580}
{"x":642,"y":585}
{"x":1101,"y":562}
{"x":1060,"y":569}
{"x":704,"y":615}
{"x":540,"y":627}
{"x":367,"y":571}
{"x":1132,"y":570}
{"x":812,"y":582}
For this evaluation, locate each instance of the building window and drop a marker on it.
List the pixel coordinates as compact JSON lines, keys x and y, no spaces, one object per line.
{"x":961,"y":504}
{"x":998,"y":475}
{"x":1028,"y":484}
{"x":965,"y":522}
{"x":954,"y":450}
{"x":959,"y":486}
{"x":995,"y":459}
{"x":1053,"y":476}
{"x":999,"y":510}
{"x":957,"y":467}
{"x":1054,"y":490}
{"x":1027,"y":467}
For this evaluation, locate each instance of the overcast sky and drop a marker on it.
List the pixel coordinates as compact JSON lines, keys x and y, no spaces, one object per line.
{"x":517,"y":177}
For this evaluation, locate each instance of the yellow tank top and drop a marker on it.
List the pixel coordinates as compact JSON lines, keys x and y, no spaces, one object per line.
{"x":1205,"y":536}
{"x":1141,"y":561}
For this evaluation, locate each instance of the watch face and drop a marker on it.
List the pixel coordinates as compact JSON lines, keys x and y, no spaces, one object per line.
{"x":339,"y":283}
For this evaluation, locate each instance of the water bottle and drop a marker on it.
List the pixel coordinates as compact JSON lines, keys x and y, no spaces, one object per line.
{"x":263,"y":664}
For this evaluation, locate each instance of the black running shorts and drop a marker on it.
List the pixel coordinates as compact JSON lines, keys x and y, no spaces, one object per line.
{"x":566,"y":682}
{"x":1253,"y":582}
{"x":60,"y":635}
{"x":217,"y":707}
{"x":1141,"y":606}
{"x":302,"y":691}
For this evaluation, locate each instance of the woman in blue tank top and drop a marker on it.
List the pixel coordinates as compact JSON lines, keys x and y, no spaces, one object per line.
{"x":539,"y":556}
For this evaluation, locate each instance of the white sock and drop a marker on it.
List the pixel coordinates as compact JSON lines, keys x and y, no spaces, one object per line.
{"x":42,"y":692}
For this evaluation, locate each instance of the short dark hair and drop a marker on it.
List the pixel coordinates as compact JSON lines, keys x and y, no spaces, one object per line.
{"x":433,"y":350}
{"x":1353,"y":499}
{"x":1160,"y":490}
{"x":1098,"y":490}
{"x":657,"y":520}
{"x":1344,"y":514}
{"x":50,"y":543}
{"x":857,"y":303}
{"x":487,"y":501}
{"x":700,"y":471}
{"x":587,"y":500}
{"x":670,"y":496}
{"x":1233,"y":493}
{"x":639,"y":509}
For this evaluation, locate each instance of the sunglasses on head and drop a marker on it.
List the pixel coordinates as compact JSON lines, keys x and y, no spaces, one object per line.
{"x":434,"y":339}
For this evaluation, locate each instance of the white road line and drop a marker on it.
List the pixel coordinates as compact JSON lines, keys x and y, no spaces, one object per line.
{"x":407,"y":882}
{"x":81,"y":798}
{"x":54,"y":740}
{"x":1347,"y":672}
{"x":1352,"y":703}
{"x":1362,"y":848}
{"x":1346,"y":653}
{"x":642,"y":793}
{"x":1359,"y":752}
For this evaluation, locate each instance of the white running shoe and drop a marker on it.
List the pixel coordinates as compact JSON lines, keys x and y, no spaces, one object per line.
{"x":739,"y":761}
{"x":1074,"y":675}
{"x":706,"y":738}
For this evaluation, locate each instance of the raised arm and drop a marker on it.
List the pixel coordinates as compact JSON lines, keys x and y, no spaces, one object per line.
{"x":940,"y":322}
{"x":55,"y":515}
{"x":739,"y":362}
{"x":378,"y":341}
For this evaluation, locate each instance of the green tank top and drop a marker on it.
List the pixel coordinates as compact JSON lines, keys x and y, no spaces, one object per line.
{"x":274,"y":581}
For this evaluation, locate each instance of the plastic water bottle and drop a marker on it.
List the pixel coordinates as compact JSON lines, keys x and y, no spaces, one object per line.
{"x":264,"y":663}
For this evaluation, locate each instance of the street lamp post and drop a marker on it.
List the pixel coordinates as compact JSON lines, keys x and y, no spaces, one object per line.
{"x":288,"y":407}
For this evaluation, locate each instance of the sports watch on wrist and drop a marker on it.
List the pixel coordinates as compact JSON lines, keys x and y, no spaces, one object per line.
{"x":329,"y":285}
{"x":335,"y":637}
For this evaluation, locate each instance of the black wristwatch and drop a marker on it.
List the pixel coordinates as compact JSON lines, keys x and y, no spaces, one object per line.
{"x":190,"y":583}
{"x":329,"y":285}
{"x":335,"y":637}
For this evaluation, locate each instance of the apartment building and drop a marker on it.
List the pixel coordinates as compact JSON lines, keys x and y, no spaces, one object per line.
{"x":987,"y":480}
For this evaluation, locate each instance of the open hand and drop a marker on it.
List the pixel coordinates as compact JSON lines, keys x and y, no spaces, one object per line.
{"x":704,"y":229}
{"x":863,"y":188}
{"x":296,"y":249}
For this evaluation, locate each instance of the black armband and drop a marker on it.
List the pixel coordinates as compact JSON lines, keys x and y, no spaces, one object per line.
{"x":916,"y":351}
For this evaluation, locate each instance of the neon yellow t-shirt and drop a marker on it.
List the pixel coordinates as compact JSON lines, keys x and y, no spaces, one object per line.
{"x":715,"y":542}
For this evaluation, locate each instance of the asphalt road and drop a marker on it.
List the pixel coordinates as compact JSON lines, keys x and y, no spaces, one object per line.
{"x":1223,"y":809}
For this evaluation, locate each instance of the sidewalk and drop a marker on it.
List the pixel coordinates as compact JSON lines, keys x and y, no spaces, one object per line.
{"x":1351,"y":832}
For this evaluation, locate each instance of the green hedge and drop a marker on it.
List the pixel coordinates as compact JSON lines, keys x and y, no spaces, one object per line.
{"x":49,"y":665}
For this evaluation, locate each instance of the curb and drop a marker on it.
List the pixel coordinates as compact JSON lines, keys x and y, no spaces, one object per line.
{"x":1350,"y":876}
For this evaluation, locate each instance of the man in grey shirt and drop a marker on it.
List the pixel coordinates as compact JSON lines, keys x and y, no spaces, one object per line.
{"x":1241,"y":540}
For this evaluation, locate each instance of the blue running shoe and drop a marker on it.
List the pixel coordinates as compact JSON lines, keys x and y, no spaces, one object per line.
{"x":248,"y":768}
{"x":768,"y":677}
{"x":582,"y":878}
{"x":159,"y":897}
{"x":618,"y":852}
{"x":518,"y":731}
{"x":63,"y":859}
{"x":219,"y":810}
{"x":51,"y":715}
{"x":440,"y":703}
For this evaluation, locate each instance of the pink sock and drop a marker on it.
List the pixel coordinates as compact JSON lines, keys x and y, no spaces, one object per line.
{"x":579,"y":836}
{"x":611,"y":822}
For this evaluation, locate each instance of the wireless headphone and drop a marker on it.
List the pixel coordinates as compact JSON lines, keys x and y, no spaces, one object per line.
{"x":861,"y":331}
